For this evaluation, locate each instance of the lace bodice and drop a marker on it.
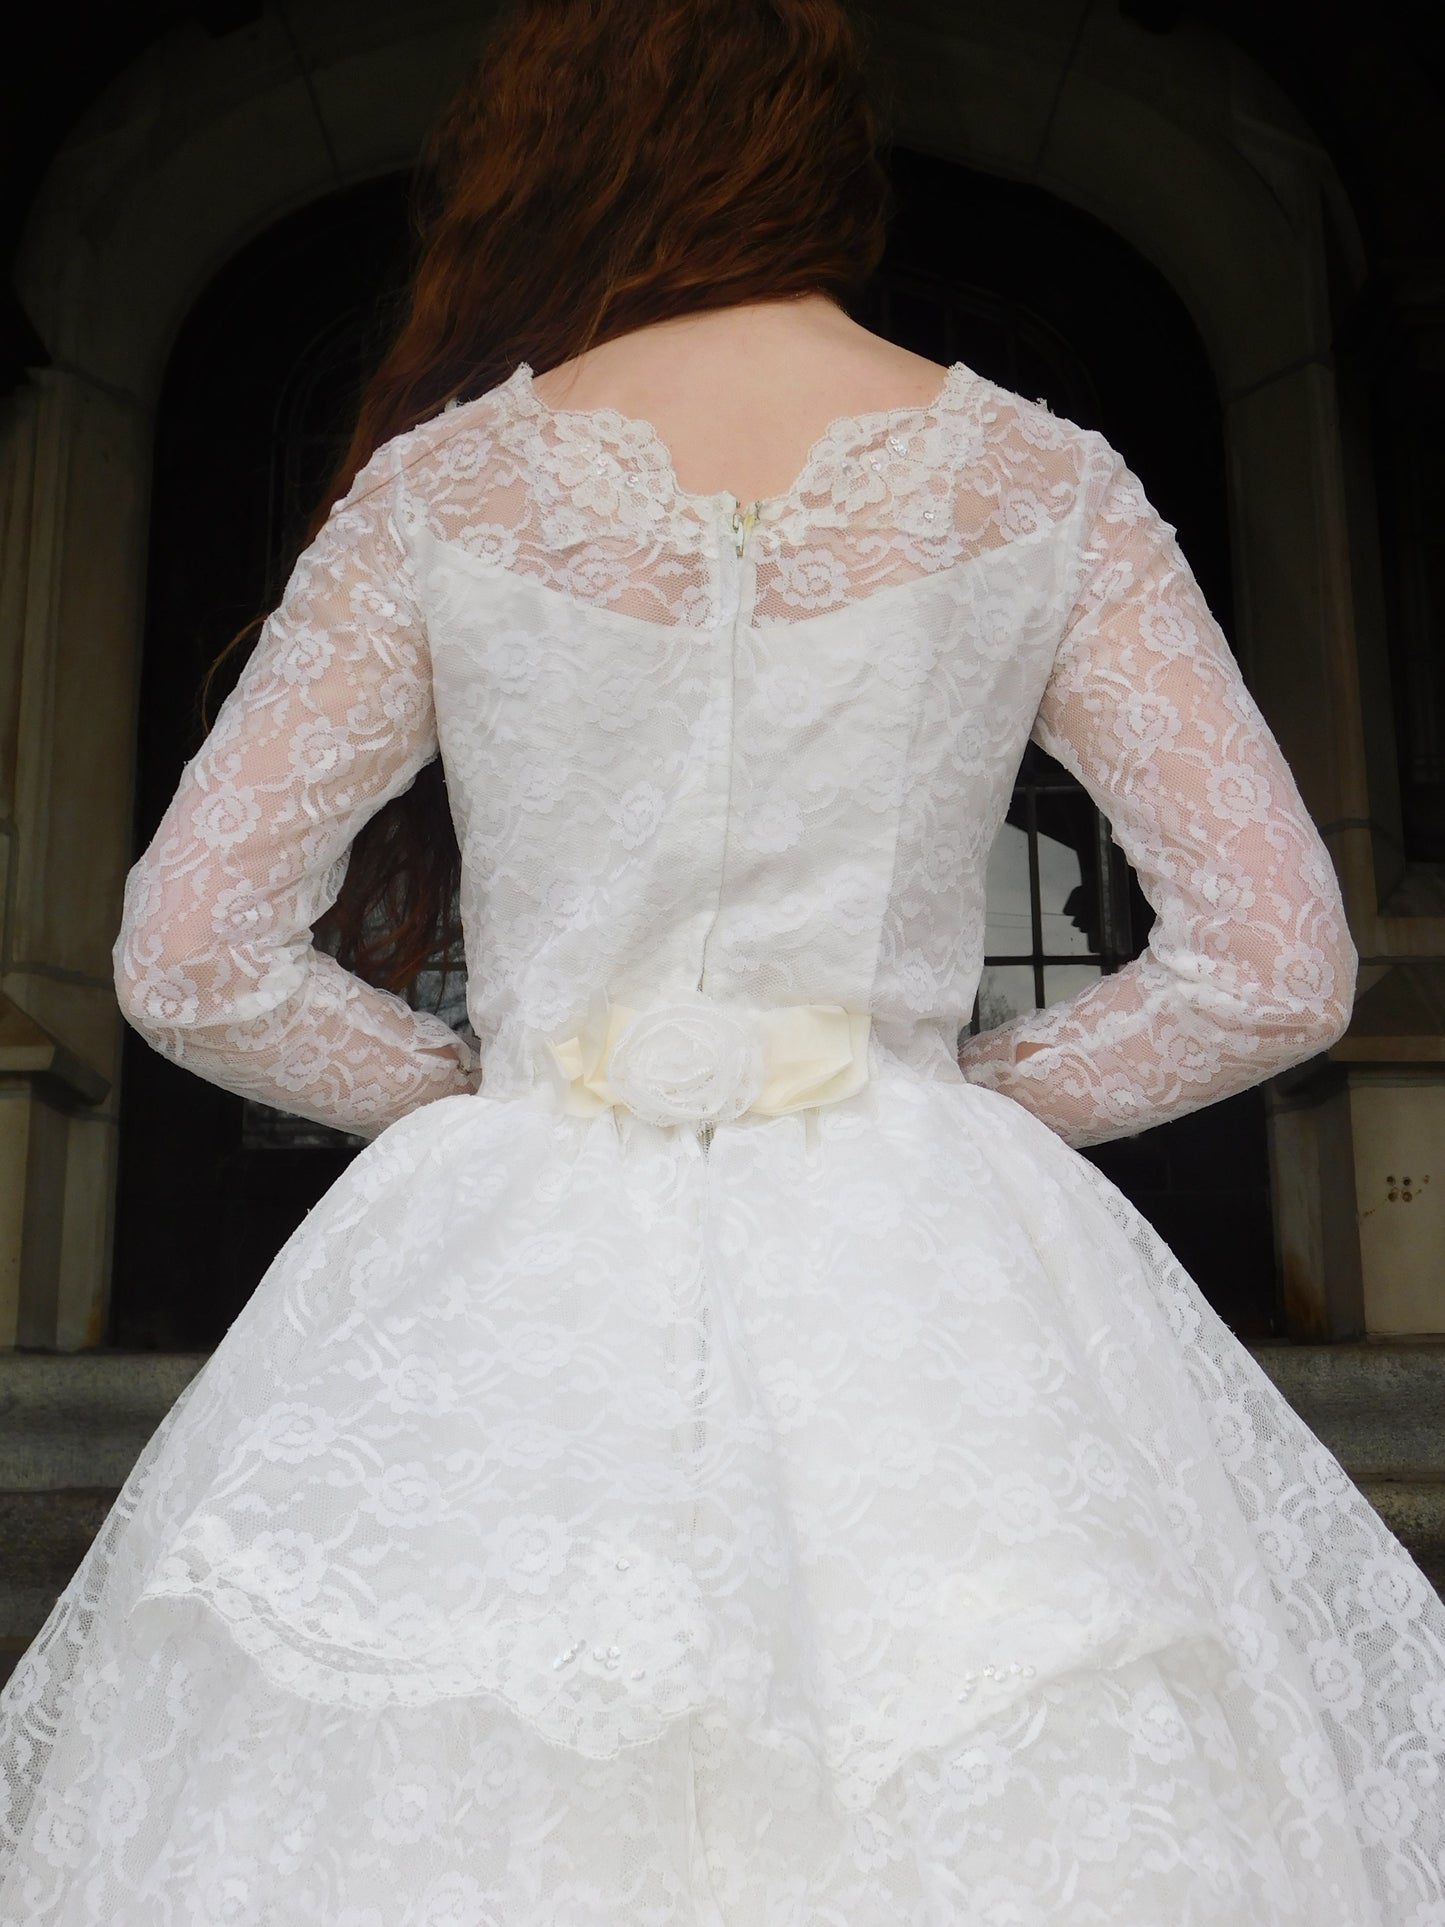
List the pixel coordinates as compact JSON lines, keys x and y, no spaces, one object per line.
{"x":760,"y":751}
{"x":854,"y":1513}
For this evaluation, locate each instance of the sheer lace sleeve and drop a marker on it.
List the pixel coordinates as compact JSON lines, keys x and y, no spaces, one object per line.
{"x":1249,"y":966}
{"x":331,"y":717}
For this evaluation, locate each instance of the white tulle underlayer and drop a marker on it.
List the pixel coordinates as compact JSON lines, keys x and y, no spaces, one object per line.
{"x":863,"y":1521}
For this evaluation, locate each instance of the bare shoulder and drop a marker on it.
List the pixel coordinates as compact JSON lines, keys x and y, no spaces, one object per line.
{"x":866,"y":360}
{"x":738,"y":395}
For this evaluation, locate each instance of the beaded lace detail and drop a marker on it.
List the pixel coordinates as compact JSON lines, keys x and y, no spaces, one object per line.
{"x":854,"y":1515}
{"x":530,"y":589}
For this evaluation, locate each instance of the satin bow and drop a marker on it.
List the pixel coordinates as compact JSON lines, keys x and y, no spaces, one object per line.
{"x":812,"y":1054}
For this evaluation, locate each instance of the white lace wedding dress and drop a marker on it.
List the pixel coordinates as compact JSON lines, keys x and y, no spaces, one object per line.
{"x":727,"y":1460}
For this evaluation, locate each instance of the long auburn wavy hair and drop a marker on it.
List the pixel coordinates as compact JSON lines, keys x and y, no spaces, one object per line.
{"x":606,"y":164}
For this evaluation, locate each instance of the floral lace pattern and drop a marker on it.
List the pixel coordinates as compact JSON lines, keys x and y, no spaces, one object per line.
{"x":1248,"y":963}
{"x":330,"y":718}
{"x":780,"y":773}
{"x":863,"y":1518}
{"x":851,"y":1514}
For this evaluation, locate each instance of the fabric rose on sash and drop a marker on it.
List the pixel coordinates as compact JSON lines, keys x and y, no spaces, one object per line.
{"x":691,"y":1059}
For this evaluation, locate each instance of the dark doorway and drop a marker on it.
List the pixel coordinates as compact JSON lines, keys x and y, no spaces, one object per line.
{"x":1024,"y":289}
{"x":257,"y":397}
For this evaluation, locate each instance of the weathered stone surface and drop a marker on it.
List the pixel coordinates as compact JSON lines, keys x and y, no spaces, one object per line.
{"x":80,"y":1420}
{"x":1379,"y":1407}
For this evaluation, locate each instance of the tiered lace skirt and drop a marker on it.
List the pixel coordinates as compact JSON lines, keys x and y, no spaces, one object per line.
{"x":858,"y":1521}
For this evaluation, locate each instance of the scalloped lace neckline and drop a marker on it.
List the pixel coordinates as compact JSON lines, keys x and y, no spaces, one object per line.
{"x":844,"y":433}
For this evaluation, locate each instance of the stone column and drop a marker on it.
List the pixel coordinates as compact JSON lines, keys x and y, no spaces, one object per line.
{"x":74,"y":473}
{"x":1359,"y":1246}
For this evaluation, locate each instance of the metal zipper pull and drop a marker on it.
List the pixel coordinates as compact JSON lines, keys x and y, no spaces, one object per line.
{"x":742,"y":520}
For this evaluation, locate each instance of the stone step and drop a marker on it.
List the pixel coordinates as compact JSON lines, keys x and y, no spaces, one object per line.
{"x":72,"y":1426}
{"x":1380,"y":1407}
{"x":1415,"y":1513}
{"x":80,"y":1419}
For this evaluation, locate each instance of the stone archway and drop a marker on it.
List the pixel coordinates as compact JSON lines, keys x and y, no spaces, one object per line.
{"x":1177,"y":143}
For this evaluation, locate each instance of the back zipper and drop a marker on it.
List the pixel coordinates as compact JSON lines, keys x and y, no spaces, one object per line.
{"x":742,"y":520}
